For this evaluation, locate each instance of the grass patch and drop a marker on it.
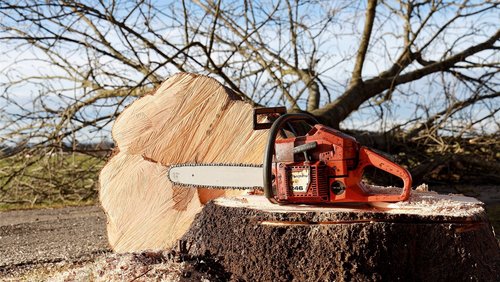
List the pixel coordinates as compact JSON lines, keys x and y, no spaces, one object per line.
{"x":47,"y":205}
{"x":48,"y":180}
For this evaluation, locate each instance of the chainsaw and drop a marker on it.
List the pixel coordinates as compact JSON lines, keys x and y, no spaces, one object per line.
{"x":322,"y":166}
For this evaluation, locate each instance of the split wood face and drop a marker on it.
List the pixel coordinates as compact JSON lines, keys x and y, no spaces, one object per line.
{"x":189,"y":119}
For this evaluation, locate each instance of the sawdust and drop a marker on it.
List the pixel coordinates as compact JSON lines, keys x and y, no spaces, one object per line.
{"x":391,"y":190}
{"x":146,"y":266}
{"x":421,"y":202}
{"x":450,"y":204}
{"x":426,"y":202}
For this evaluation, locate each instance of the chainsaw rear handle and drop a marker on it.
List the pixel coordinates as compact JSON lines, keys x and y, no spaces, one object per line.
{"x":368,"y":158}
{"x":269,"y":152}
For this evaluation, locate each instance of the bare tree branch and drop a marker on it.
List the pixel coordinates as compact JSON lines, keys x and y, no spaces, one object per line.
{"x":365,"y":40}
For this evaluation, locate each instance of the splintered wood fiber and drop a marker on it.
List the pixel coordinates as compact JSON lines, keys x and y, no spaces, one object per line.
{"x":189,"y":119}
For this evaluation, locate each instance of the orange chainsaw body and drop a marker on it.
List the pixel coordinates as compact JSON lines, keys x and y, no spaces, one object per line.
{"x":332,"y":171}
{"x":323,"y":166}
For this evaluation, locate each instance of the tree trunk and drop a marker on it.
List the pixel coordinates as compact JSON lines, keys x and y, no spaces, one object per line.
{"x":430,"y":238}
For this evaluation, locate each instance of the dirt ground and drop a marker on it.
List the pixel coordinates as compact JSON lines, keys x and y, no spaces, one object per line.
{"x":69,"y":244}
{"x":30,"y":239}
{"x":58,"y":239}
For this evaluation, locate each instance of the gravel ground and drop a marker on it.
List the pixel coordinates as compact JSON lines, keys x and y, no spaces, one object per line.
{"x":31,"y":239}
{"x":69,"y":244}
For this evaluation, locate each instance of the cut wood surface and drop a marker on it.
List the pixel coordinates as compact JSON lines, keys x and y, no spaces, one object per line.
{"x":189,"y":119}
{"x":430,"y":238}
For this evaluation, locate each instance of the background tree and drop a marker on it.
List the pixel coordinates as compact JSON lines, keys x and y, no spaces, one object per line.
{"x":422,"y":72}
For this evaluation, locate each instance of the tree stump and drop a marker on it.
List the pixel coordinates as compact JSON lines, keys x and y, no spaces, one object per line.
{"x":430,"y":238}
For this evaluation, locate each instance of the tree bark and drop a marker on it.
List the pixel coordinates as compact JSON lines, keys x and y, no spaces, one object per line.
{"x":431,"y":238}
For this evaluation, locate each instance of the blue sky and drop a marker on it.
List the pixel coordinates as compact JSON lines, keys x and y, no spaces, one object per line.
{"x":336,"y":44}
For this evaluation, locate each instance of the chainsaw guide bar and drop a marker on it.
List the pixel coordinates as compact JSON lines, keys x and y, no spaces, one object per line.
{"x":217,"y":176}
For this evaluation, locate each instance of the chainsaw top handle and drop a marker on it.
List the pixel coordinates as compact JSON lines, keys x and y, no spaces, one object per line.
{"x":269,"y":152}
